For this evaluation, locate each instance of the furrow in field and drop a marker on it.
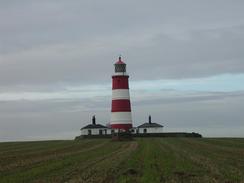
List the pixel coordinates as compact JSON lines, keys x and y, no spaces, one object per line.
{"x":143,"y":164}
{"x":143,"y":160}
{"x":38,"y":157}
{"x":22,"y":147}
{"x":187,"y":166}
{"x":213,"y":169}
{"x":46,"y":170}
{"x":105,"y":170}
{"x":89,"y":166}
{"x":39,"y":148}
{"x":224,"y":156}
{"x":226,"y":142}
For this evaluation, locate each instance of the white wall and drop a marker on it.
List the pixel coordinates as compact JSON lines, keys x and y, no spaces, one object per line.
{"x":151,"y":130}
{"x":95,"y":131}
{"x":134,"y":130}
{"x":141,"y":130}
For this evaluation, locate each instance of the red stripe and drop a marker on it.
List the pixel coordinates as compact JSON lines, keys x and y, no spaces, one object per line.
{"x":120,"y":82}
{"x":121,"y":106}
{"x":121,"y":126}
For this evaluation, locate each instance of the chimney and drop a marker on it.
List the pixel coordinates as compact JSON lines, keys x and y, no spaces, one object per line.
{"x":149,"y":119}
{"x":94,"y":120}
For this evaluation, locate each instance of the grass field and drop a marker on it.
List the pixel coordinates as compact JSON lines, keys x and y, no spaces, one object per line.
{"x":146,"y":160}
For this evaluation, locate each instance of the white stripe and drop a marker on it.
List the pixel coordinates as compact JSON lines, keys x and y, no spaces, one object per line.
{"x":120,"y":74}
{"x":120,"y":94}
{"x":121,"y":117}
{"x":120,"y":122}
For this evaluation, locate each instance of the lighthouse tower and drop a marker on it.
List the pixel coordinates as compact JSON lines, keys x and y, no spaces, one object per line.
{"x":121,"y":108}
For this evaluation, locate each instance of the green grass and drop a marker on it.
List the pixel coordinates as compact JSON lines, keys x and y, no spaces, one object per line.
{"x":145,"y":160}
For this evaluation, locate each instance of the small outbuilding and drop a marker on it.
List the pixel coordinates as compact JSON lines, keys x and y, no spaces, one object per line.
{"x":95,"y":129}
{"x":149,"y":127}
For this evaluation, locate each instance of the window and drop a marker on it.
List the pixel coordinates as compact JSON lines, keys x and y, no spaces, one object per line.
{"x":120,"y":68}
{"x":145,"y":130}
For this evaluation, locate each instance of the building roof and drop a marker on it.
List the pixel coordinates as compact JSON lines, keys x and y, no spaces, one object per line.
{"x":91,"y":126}
{"x":150,"y":125}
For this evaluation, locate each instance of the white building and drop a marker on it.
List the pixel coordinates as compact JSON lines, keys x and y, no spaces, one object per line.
{"x":148,"y":128}
{"x":98,"y":130}
{"x":95,"y":129}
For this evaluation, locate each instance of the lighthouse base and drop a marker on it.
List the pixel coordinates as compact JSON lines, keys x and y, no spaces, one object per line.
{"x":124,"y":127}
{"x":122,"y":136}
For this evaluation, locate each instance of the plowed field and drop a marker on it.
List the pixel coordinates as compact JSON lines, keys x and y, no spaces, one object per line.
{"x":145,"y":160}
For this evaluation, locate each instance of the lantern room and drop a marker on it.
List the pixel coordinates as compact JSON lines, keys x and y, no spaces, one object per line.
{"x":120,"y":66}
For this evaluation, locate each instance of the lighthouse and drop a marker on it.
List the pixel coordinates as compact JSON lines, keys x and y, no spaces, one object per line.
{"x":121,"y":118}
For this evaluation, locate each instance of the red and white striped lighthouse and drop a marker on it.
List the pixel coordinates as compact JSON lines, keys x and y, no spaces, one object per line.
{"x":121,"y":108}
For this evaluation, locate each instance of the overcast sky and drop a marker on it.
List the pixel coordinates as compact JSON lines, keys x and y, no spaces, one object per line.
{"x":185,"y":60}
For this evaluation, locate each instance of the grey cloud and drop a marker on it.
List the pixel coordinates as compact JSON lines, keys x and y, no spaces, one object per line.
{"x":49,"y":119}
{"x":203,"y":113}
{"x":79,"y":41}
{"x":48,"y":45}
{"x":200,"y":56}
{"x":211,"y":117}
{"x":202,"y":53}
{"x":54,"y":106}
{"x":188,"y":98}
